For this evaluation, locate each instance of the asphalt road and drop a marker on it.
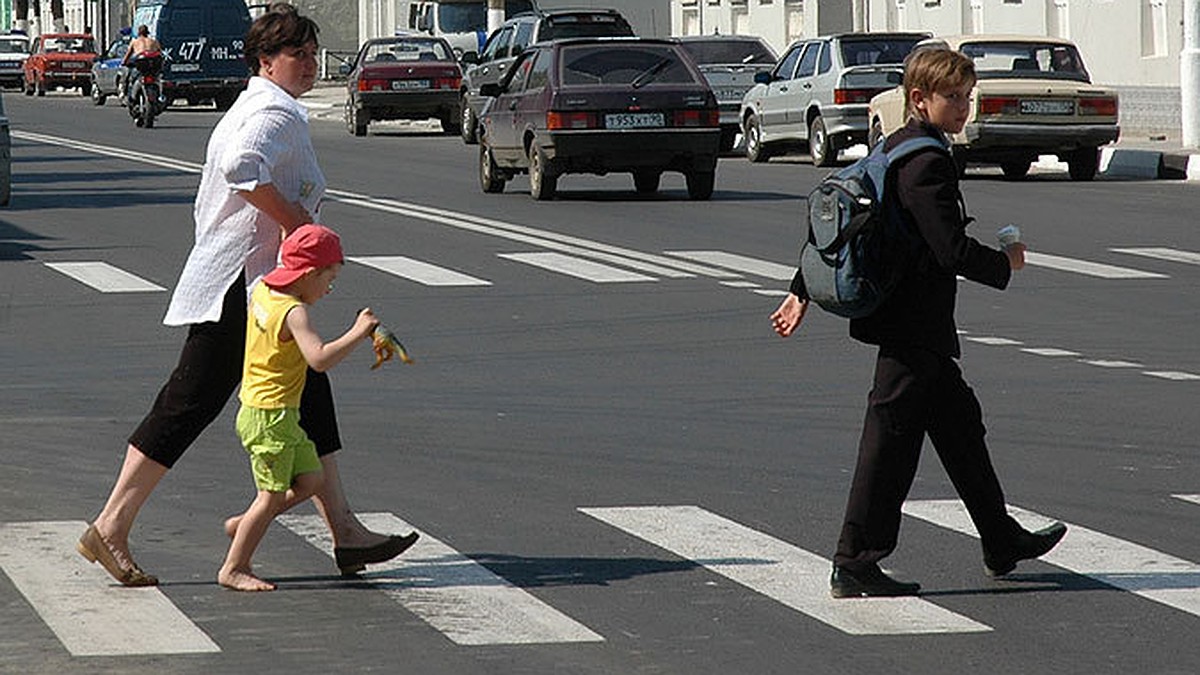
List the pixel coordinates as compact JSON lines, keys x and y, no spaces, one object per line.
{"x":547,"y":402}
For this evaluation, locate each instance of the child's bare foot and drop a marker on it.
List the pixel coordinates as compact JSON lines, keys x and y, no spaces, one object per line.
{"x":242,"y":580}
{"x":231,"y":525}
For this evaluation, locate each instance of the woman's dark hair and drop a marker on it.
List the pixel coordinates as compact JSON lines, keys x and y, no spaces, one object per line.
{"x":280,"y":27}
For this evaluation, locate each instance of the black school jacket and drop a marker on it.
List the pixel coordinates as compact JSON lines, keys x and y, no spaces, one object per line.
{"x":920,"y":312}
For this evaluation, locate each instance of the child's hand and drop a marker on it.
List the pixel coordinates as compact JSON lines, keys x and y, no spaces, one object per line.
{"x":366,"y":322}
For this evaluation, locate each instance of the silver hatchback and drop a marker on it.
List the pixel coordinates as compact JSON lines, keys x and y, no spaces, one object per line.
{"x":817,"y":94}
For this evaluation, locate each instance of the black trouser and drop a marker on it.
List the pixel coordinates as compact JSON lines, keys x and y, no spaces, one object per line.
{"x":209,"y":369}
{"x":918,"y":392}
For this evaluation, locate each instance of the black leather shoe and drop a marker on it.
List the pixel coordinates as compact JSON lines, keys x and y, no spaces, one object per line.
{"x":1028,"y":545}
{"x":354,"y":560}
{"x":871,"y":582}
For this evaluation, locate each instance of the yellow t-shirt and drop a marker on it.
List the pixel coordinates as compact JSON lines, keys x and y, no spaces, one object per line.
{"x":273,"y":370}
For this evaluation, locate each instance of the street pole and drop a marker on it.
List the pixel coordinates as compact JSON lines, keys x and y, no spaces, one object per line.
{"x":495,"y":14}
{"x":1189,"y":74}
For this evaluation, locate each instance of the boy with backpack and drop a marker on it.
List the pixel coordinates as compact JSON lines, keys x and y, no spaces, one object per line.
{"x":918,"y":387}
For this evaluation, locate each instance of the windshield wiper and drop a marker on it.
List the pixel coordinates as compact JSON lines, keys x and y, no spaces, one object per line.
{"x":651,"y":72}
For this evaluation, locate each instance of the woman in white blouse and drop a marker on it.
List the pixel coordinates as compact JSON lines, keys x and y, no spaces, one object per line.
{"x":261,"y":180}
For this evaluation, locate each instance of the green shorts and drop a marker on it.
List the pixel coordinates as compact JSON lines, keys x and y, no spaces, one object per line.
{"x":279,"y":449}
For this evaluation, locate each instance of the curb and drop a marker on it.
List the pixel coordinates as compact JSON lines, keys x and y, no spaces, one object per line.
{"x":1154,"y":164}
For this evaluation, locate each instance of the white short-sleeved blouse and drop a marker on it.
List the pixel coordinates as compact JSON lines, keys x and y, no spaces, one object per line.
{"x":263,"y":139}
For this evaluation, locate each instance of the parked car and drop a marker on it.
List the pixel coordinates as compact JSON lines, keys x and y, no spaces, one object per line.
{"x":14,"y":49}
{"x":108,"y":73}
{"x":202,"y":41}
{"x":403,"y":78}
{"x":59,"y":60}
{"x":600,"y":105}
{"x":730,"y":63}
{"x":513,"y":36}
{"x":1033,"y":97}
{"x":818,"y":92}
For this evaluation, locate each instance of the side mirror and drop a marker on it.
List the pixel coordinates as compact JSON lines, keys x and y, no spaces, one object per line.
{"x":470,"y":57}
{"x":762,"y":78}
{"x":344,"y":69}
{"x":490,"y":90}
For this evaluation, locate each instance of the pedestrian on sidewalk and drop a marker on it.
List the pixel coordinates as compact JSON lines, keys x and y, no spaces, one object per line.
{"x":260,"y":181}
{"x":919,"y":389}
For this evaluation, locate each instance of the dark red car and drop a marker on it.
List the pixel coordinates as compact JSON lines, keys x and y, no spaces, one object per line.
{"x":60,"y":60}
{"x":404,"y":78}
{"x":600,"y":105}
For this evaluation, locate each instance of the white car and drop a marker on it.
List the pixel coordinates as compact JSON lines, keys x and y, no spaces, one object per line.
{"x":14,"y":49}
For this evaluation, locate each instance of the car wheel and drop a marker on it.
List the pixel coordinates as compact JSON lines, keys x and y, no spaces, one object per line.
{"x":700,"y":184}
{"x":98,"y":97}
{"x":1083,"y":163}
{"x":355,"y":123}
{"x":1015,"y":169}
{"x":224,"y":101}
{"x":542,"y":183}
{"x":451,"y":124}
{"x":819,"y":147}
{"x":646,"y":182}
{"x":86,"y":88}
{"x":489,"y":174}
{"x":728,"y":136}
{"x":756,"y":149}
{"x":875,"y":135}
{"x":470,"y":125}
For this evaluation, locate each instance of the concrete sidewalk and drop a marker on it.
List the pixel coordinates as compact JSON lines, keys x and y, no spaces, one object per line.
{"x":1138,"y":153}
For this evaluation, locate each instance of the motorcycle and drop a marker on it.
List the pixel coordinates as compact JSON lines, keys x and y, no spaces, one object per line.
{"x":144,"y":98}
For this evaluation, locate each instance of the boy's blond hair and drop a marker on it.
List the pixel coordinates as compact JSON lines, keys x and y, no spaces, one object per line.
{"x":935,"y":69}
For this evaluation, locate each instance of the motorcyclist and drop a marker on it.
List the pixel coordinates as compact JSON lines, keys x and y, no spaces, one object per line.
{"x":142,"y":43}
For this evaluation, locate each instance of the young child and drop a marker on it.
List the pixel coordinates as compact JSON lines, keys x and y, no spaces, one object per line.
{"x":280,"y":344}
{"x":919,"y":388}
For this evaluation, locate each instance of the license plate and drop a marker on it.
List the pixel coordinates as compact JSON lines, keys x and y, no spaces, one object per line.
{"x":1036,"y":107}
{"x":634,"y":120}
{"x":410,"y":84}
{"x":729,"y":95}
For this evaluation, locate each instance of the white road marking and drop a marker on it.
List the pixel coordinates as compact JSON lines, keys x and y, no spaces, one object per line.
{"x":1152,"y":574}
{"x":740,"y":284}
{"x":1168,"y":254}
{"x":778,"y":570}
{"x":1110,"y":363}
{"x":104,"y":277}
{"x":1177,"y":375}
{"x":995,"y":341}
{"x":1089,"y":268}
{"x":771,"y":292}
{"x":576,"y":267}
{"x":418,"y":271}
{"x":107,"y":150}
{"x":1049,"y":351}
{"x":457,"y":596}
{"x":90,"y":614}
{"x":1195,"y":499}
{"x":740,"y":263}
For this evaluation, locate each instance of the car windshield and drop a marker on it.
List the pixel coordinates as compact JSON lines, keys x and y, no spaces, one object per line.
{"x":416,"y":49}
{"x":69,"y":45}
{"x":994,"y":60}
{"x":13,"y":47}
{"x":877,"y":51}
{"x":622,"y":65}
{"x":468,"y":17}
{"x":584,"y":25}
{"x":729,"y":51}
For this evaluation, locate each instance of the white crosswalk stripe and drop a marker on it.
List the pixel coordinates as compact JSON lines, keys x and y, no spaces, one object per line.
{"x":1195,"y":499}
{"x":1168,"y":254}
{"x":457,"y":596}
{"x":89,"y":612}
{"x":1093,"y":269}
{"x":778,"y":570}
{"x":1151,"y":574}
{"x":105,"y":277}
{"x":576,"y":267}
{"x":740,"y":263}
{"x":418,"y":271}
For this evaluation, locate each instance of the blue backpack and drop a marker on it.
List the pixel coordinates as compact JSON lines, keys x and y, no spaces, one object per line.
{"x":858,"y":244}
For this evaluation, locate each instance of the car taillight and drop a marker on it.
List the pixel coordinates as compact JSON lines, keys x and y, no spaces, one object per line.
{"x":447,"y":83}
{"x":696,"y":118}
{"x":1099,"y":105}
{"x":374,"y":85}
{"x":844,"y":96}
{"x":999,"y":105}
{"x":572,"y":120}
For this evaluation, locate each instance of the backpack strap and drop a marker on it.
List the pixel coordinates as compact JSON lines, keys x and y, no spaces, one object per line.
{"x":911,"y":145}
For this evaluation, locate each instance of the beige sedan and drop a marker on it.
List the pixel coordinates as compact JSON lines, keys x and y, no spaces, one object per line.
{"x":1033,"y":97}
